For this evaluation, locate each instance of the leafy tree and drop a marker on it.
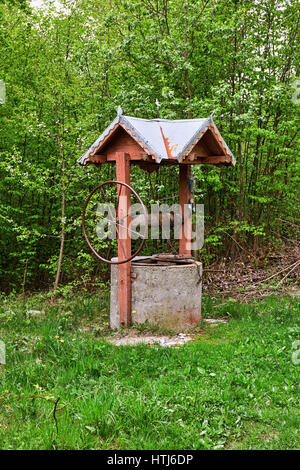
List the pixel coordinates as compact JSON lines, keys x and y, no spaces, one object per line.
{"x":66,"y":70}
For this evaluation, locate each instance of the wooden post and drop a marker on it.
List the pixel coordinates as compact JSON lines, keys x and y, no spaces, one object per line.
{"x":184,"y":196}
{"x":124,"y":245}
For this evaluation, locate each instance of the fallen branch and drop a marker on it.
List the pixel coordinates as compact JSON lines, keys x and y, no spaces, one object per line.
{"x":52,"y":400}
{"x":297,"y":264}
{"x":77,"y":398}
{"x":242,"y":248}
{"x":215,"y":270}
{"x":279,"y":272}
{"x":288,"y":222}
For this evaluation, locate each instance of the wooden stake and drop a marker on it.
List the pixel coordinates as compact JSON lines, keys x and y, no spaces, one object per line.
{"x":124,"y":241}
{"x":184,"y":196}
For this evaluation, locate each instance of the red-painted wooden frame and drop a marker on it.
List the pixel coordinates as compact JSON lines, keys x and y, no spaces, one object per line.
{"x":124,"y":246}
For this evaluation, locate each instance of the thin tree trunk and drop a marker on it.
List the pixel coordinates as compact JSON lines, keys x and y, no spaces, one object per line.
{"x":23,"y":285}
{"x":60,"y":143}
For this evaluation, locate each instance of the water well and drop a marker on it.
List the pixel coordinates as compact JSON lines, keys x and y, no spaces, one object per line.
{"x":159,"y":294}
{"x":160,"y":290}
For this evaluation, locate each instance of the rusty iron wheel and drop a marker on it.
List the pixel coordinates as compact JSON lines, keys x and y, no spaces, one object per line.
{"x":100,"y":188}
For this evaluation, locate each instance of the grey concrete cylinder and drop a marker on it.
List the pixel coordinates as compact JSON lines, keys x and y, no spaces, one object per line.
{"x":167,"y":296}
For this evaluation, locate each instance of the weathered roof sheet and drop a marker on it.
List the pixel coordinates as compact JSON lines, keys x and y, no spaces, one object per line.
{"x":162,"y":138}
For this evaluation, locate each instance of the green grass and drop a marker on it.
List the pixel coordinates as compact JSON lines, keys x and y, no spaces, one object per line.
{"x":234,"y":387}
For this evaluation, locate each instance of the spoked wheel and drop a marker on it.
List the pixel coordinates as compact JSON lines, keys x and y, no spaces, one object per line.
{"x":106,"y":221}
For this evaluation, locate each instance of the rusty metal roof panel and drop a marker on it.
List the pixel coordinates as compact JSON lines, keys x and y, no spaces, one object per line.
{"x":167,"y":137}
{"x":162,"y":138}
{"x":148,"y":135}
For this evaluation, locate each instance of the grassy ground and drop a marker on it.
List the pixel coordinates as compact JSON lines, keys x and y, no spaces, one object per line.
{"x":234,"y":387}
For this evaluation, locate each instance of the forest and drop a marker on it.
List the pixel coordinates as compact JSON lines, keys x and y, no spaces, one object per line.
{"x":68,"y":65}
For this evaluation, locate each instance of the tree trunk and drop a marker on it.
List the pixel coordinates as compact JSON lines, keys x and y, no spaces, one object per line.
{"x":61,"y":150}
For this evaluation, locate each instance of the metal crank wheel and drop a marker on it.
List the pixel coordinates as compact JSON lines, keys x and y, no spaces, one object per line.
{"x":106,"y":221}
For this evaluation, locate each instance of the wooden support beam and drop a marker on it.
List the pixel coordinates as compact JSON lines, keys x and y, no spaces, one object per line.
{"x":150,"y":167}
{"x":184,"y":196}
{"x":192,"y":159}
{"x":98,"y":159}
{"x":133,"y":156}
{"x":143,"y":157}
{"x":124,"y":241}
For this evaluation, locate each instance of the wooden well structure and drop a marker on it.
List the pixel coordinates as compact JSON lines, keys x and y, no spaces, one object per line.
{"x":150,"y":143}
